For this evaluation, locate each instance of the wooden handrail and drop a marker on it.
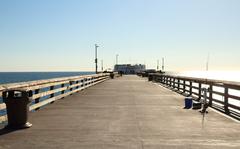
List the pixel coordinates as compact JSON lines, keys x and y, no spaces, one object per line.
{"x":186,"y":85}
{"x":52,"y":89}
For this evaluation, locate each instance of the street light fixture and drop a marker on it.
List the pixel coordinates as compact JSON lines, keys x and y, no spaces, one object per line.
{"x":102,"y":65}
{"x":117,"y":59}
{"x":163,"y":64}
{"x":96,"y":59}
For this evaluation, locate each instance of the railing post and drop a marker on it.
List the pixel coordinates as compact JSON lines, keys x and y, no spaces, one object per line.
{"x":168,"y":81}
{"x":70,"y":84}
{"x":190,"y":87}
{"x":178,"y":86}
{"x":184,"y":86}
{"x":226,"y":100}
{"x":51,"y":88}
{"x":174,"y":83}
{"x":85,"y":80}
{"x":82,"y":81}
{"x":52,"y":95}
{"x":37,"y":99}
{"x":199,"y":90}
{"x":210,"y":94}
{"x":77,"y":83}
{"x":62,"y":90}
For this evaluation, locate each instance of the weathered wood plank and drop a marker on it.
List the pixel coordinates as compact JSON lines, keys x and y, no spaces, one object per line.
{"x":45,"y":85}
{"x":230,"y":84}
{"x":90,"y":82}
{"x":109,"y":108}
{"x":42,"y":103}
{"x":3,"y":118}
{"x":61,"y":89}
{"x":31,"y":84}
{"x":203,"y":83}
{"x":2,"y":106}
{"x":48,"y":92}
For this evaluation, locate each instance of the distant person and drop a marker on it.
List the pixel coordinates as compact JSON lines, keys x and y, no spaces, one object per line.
{"x":121,"y":73}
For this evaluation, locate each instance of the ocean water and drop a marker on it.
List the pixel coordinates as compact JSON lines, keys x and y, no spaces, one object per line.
{"x":13,"y":77}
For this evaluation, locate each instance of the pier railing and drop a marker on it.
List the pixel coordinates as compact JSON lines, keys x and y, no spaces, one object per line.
{"x":222,"y":95}
{"x":44,"y":92}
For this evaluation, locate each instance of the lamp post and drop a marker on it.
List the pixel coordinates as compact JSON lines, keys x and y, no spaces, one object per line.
{"x":102,"y":64}
{"x":162,"y":64}
{"x":117,"y":59}
{"x":96,"y":60}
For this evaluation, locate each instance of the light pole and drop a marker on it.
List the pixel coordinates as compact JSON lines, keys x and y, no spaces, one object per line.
{"x":157,"y":64}
{"x":117,"y":59}
{"x":96,"y":60}
{"x":162,"y":64}
{"x":102,"y":64}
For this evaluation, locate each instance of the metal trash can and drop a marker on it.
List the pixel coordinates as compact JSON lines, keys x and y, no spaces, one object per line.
{"x":120,"y":73}
{"x":112,"y":75}
{"x":17,"y":103}
{"x":188,"y":102}
{"x":150,"y":77}
{"x":196,"y":105}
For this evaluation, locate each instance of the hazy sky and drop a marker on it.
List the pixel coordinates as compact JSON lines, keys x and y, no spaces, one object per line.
{"x":59,"y":35}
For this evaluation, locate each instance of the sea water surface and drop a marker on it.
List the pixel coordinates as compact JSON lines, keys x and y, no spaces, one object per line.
{"x":14,"y":77}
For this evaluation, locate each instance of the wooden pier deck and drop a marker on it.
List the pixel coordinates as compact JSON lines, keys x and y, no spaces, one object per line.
{"x":124,"y":113}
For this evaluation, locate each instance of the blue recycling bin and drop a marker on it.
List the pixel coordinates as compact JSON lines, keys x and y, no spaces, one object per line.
{"x":188,"y":103}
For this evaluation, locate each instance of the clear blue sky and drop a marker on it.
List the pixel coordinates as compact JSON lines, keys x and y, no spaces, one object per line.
{"x":59,"y":35}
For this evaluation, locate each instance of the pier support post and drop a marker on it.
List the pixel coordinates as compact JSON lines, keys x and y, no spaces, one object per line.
{"x":184,"y":86}
{"x":190,"y":88}
{"x":52,"y":95}
{"x":37,"y":99}
{"x":226,"y":100}
{"x":178,"y":85}
{"x":174,"y":83}
{"x":210,"y":94}
{"x":62,"y":92}
{"x":199,"y":90}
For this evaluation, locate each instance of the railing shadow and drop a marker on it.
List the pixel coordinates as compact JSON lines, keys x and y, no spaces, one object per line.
{"x":5,"y":130}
